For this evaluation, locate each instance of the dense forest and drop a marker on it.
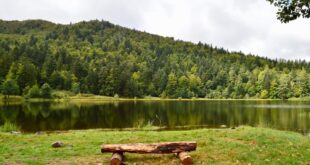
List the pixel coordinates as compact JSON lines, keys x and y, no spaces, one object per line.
{"x":100,"y":58}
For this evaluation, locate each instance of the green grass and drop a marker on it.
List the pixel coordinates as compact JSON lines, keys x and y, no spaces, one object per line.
{"x":66,"y":96}
{"x":244,"y":145}
{"x":9,"y":127}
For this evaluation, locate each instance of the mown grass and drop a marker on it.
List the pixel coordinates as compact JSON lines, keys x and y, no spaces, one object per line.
{"x":244,"y":145}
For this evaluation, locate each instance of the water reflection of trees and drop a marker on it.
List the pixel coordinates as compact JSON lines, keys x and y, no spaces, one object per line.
{"x":63,"y":116}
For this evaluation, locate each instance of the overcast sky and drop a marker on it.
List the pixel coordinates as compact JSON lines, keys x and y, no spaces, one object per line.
{"x":247,"y":25}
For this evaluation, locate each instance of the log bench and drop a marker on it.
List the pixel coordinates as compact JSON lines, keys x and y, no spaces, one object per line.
{"x":178,"y":148}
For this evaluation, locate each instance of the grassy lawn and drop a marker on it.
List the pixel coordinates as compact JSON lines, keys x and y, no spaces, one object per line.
{"x":243,"y":145}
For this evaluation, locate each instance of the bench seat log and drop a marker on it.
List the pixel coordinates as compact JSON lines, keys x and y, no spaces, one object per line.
{"x":157,"y":148}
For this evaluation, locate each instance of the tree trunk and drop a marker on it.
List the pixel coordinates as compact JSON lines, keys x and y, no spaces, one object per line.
{"x":159,"y":148}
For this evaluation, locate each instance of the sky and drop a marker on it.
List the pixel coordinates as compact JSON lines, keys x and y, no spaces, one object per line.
{"x":249,"y":26}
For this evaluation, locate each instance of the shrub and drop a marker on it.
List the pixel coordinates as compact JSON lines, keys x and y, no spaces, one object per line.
{"x":75,"y":88}
{"x":61,"y":94}
{"x":34,"y":92}
{"x":9,"y":87}
{"x":46,"y":90}
{"x":264,"y":94}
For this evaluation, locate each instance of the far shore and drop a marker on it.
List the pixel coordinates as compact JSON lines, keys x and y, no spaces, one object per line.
{"x":98,"y":98}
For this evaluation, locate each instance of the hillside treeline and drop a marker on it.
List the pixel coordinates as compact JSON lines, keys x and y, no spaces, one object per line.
{"x":104,"y":59}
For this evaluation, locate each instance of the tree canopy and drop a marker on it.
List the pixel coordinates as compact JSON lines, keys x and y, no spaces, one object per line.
{"x":101,"y":58}
{"x":289,"y":10}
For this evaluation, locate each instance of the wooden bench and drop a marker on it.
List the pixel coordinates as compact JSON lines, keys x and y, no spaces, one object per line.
{"x":179,"y":148}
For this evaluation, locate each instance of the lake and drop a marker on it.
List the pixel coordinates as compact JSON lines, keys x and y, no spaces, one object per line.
{"x":50,"y":116}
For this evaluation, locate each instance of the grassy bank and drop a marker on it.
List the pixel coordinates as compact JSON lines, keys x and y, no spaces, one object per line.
{"x":244,"y":145}
{"x":65,"y":96}
{"x":97,"y":98}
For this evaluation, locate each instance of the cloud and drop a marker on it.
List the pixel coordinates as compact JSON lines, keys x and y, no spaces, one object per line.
{"x":249,"y":26}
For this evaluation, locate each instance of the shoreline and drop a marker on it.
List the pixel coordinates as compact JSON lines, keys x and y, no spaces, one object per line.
{"x":98,"y":98}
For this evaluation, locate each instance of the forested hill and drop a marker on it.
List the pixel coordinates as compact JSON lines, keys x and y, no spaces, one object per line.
{"x":101,"y":58}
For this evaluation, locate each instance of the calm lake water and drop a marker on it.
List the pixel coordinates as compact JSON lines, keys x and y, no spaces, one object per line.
{"x":48,"y":116}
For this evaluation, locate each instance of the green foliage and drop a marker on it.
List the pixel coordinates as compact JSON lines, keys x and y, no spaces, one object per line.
{"x":26,"y":73}
{"x":100,"y":58}
{"x":46,"y":90}
{"x":34,"y":92}
{"x":75,"y":88}
{"x":171,"y":84}
{"x":61,"y":94}
{"x":9,"y":127}
{"x":9,"y":87}
{"x":264,"y":94}
{"x":291,"y":9}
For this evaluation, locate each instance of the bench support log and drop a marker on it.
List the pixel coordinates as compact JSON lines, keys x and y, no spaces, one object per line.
{"x":116,"y":159}
{"x":185,"y":158}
